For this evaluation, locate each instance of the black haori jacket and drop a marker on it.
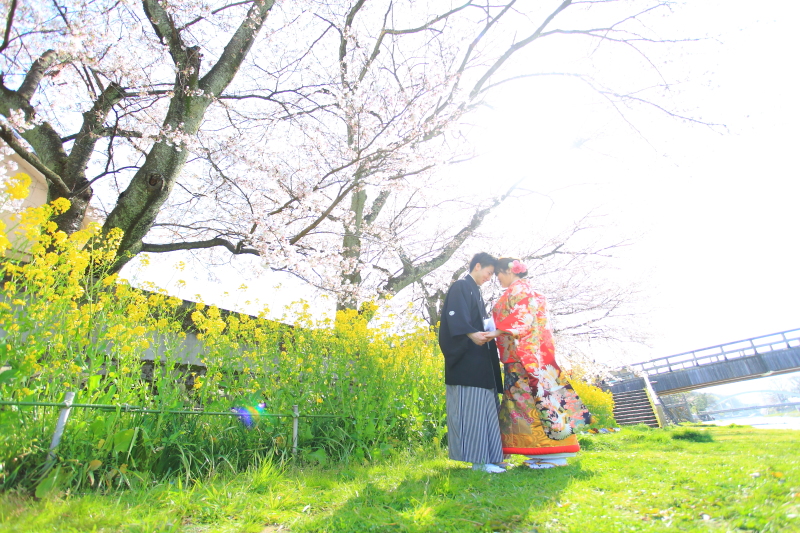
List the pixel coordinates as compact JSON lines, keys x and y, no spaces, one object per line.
{"x":466,"y":363}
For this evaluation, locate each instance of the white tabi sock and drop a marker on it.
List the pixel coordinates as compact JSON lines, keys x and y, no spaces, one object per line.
{"x":488,"y":467}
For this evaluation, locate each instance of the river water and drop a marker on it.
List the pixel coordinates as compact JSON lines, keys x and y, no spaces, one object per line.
{"x":761,"y":422}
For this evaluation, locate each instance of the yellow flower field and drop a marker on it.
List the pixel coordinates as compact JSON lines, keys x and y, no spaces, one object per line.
{"x":362,"y":392}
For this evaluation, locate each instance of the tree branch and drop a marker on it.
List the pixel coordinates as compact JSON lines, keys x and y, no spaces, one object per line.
{"x":223,"y":71}
{"x":236,"y":249}
{"x":87,"y":138}
{"x":54,"y":179}
{"x":388,"y":31}
{"x":35,"y":74}
{"x":198,"y":19}
{"x":411,"y":274}
{"x":107,"y":132}
{"x":377,"y":205}
{"x":9,"y":24}
{"x":341,"y":196}
{"x":514,"y":48}
{"x":165,"y":29}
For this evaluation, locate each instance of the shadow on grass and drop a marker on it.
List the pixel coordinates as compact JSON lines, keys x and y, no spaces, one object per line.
{"x":451,"y":499}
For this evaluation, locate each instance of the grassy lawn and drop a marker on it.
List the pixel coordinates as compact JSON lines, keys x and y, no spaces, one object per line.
{"x":637,"y":480}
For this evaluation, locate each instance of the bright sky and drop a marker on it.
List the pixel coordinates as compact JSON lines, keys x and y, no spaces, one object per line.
{"x":714,"y":211}
{"x":718,"y":210}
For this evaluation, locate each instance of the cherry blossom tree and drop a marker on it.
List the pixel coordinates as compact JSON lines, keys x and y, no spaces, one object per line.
{"x":307,"y":133}
{"x":588,"y":303}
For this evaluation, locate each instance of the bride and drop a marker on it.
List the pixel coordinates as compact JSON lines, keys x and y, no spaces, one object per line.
{"x":540,"y":411}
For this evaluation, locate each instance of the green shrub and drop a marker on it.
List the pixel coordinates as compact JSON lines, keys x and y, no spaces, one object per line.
{"x":692,"y":435}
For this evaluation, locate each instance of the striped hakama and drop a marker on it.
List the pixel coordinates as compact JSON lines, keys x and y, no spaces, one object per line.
{"x":473,"y":431}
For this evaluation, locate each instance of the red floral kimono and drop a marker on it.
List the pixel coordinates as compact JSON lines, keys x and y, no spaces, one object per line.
{"x":540,"y":410}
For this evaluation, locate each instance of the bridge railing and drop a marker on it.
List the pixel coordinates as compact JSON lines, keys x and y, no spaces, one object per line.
{"x":722,"y":352}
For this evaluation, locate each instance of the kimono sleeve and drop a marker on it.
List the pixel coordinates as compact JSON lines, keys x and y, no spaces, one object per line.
{"x":520,"y":319}
{"x":457,"y":311}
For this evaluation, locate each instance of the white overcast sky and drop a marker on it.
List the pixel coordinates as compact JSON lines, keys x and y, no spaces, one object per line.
{"x":715,"y":211}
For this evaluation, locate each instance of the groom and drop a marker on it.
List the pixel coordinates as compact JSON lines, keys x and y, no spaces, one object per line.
{"x":472,"y":371}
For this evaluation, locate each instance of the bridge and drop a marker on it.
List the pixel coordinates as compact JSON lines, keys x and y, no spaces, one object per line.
{"x":777,"y":353}
{"x":767,"y":355}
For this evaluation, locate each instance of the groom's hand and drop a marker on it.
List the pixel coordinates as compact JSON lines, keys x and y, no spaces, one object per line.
{"x":479,"y":337}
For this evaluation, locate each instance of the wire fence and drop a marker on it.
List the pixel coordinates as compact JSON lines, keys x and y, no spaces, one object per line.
{"x":67,"y":405}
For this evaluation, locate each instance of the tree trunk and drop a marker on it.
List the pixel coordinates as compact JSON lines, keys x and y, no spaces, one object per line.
{"x":138,"y":206}
{"x":351,"y":252}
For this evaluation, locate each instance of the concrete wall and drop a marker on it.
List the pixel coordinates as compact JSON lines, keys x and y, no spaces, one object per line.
{"x":37,"y":195}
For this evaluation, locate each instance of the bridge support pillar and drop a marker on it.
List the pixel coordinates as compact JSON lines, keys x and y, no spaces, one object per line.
{"x":655,"y":401}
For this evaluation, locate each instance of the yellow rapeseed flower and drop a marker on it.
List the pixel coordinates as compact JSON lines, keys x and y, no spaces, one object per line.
{"x":17,"y":187}
{"x":60,"y":205}
{"x":80,"y":237}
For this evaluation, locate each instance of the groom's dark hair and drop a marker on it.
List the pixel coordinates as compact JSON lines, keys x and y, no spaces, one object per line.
{"x":484,"y":259}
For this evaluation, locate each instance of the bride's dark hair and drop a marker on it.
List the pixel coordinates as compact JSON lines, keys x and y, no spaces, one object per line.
{"x":504,"y":265}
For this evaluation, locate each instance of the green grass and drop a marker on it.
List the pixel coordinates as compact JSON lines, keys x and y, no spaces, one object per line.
{"x":743,"y":479}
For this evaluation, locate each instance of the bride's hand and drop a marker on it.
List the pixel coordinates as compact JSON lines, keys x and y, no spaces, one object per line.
{"x":494,"y":334}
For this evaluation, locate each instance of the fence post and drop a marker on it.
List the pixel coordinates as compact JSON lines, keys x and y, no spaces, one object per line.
{"x":62,"y":421}
{"x":295,"y":417}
